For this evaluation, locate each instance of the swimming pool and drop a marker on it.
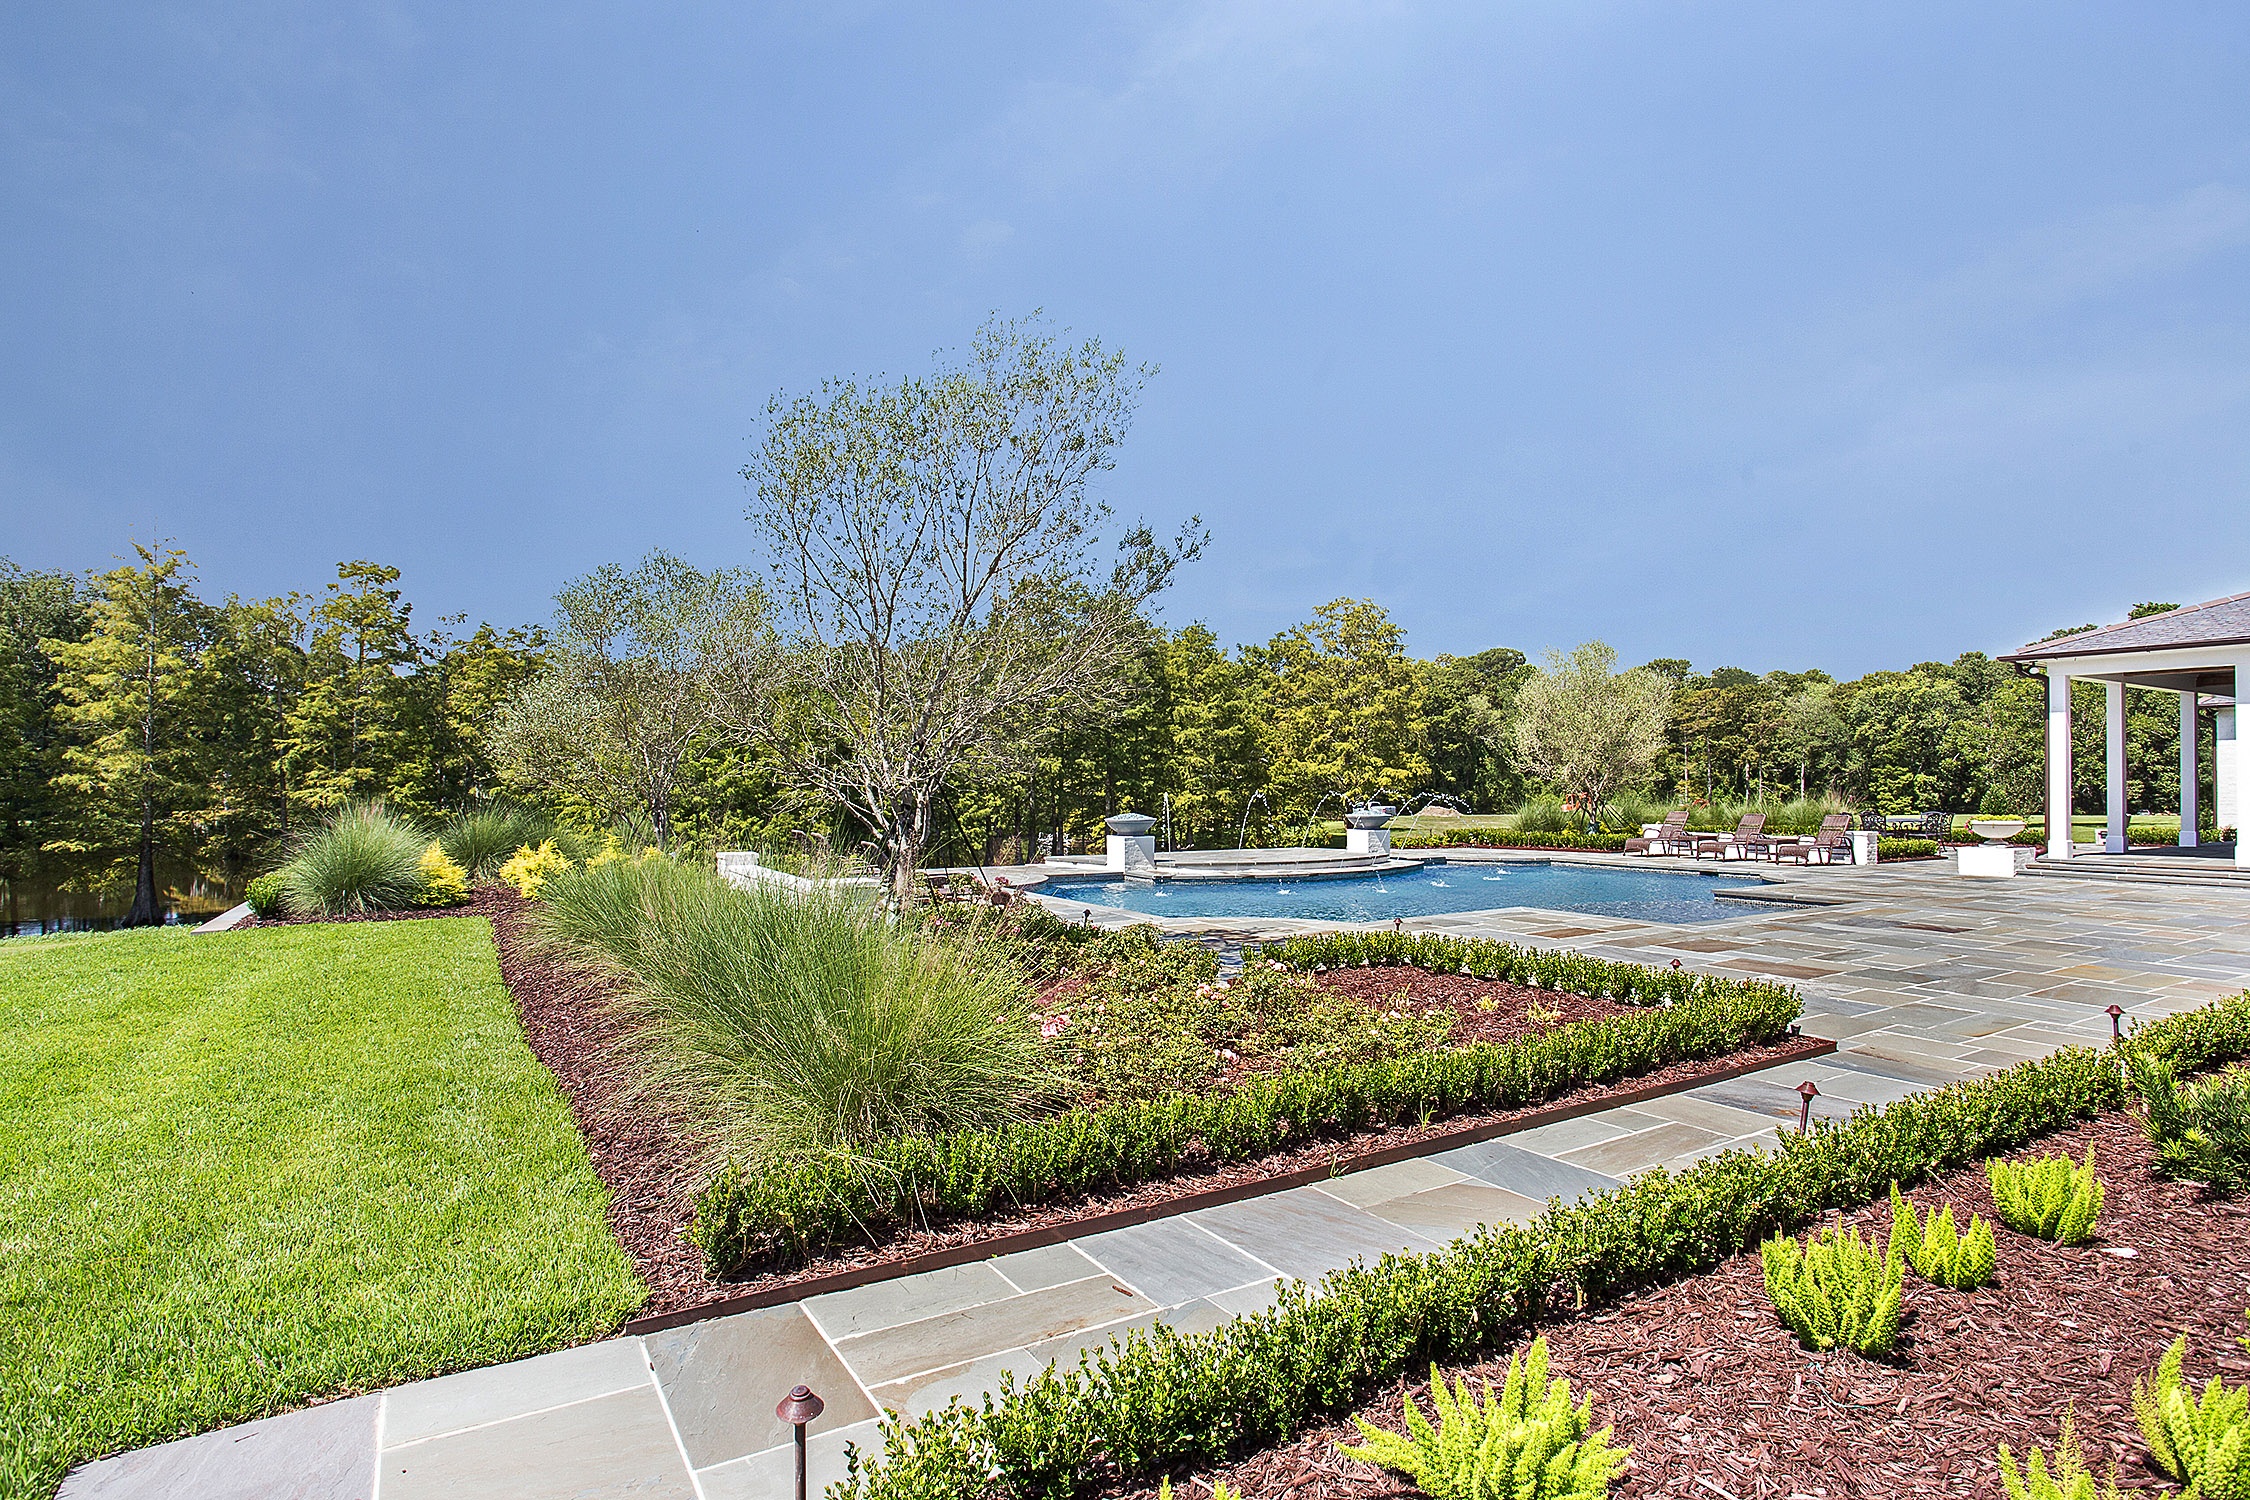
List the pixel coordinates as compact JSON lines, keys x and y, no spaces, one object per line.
{"x":1645,"y":895}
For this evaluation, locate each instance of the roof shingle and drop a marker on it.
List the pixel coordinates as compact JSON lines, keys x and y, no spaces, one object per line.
{"x":2215,"y":622}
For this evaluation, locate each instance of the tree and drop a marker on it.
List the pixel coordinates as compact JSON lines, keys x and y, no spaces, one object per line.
{"x":931,"y":545}
{"x":125,"y":685}
{"x":37,"y":610}
{"x":643,"y":667}
{"x":1469,"y":709}
{"x":1343,"y":708}
{"x":1589,"y":730}
{"x":346,"y":729}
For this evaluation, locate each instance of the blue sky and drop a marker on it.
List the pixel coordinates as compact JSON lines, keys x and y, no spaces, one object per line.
{"x":1774,"y":335}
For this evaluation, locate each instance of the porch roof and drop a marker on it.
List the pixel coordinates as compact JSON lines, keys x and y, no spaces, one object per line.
{"x":2215,"y":622}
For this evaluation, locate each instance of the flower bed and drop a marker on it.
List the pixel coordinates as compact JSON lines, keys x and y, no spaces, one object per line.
{"x":1158,"y":1402}
{"x":1701,"y":1379}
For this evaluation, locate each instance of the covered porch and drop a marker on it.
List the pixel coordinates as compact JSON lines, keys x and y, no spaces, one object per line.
{"x":2201,"y":653}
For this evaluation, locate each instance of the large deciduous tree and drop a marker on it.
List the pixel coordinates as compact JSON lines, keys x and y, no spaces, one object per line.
{"x":642,"y":667}
{"x":37,"y":611}
{"x":1343,"y":708}
{"x":932,"y":544}
{"x":1589,"y":730}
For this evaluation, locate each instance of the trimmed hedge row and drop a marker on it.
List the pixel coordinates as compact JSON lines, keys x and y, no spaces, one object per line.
{"x":1156,"y":1401}
{"x":789,"y":1210}
{"x":1503,"y":838}
{"x":1489,"y":958}
{"x":1905,"y":848}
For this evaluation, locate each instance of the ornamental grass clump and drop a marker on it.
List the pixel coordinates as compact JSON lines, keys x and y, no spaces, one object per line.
{"x":480,"y":841}
{"x":797,"y":1025}
{"x":2203,"y":1442}
{"x":2201,"y":1129}
{"x":1836,"y":1291}
{"x":2067,"y":1480}
{"x":2048,"y":1197}
{"x":362,"y":859}
{"x":1940,"y":1253}
{"x":1528,"y":1443}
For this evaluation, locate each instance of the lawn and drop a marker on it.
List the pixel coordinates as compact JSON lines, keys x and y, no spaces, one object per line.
{"x":243,"y":1172}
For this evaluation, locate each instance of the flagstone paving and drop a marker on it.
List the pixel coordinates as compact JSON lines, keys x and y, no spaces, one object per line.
{"x":1921,"y":978}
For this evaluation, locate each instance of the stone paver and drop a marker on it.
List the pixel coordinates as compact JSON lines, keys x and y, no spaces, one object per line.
{"x":1922,"y":979}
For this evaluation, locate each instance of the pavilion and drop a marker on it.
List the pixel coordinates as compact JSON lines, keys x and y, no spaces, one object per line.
{"x":2201,"y":652}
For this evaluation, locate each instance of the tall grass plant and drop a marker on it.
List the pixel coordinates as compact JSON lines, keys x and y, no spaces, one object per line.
{"x":790,"y":1020}
{"x":365,"y":858}
{"x":481,"y":839}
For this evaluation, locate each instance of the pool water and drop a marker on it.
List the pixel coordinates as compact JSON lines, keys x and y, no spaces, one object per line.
{"x":1644,"y":895}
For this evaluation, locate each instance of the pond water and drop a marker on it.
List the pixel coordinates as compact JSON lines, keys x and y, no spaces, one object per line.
{"x":1644,"y":895}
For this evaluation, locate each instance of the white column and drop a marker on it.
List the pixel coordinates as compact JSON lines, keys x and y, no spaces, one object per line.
{"x":2187,"y":770}
{"x":2230,"y":769}
{"x":2058,"y":763}
{"x":2113,"y":742}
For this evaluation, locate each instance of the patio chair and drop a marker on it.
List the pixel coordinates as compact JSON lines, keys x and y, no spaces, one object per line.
{"x":1833,"y":839}
{"x":1934,"y":825}
{"x":1749,"y":837}
{"x":1673,"y":831}
{"x":1871,"y":821}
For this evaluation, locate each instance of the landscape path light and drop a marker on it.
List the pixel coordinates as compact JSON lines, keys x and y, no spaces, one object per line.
{"x":2116,"y":1015}
{"x":1806,"y":1091}
{"x":797,"y":1408}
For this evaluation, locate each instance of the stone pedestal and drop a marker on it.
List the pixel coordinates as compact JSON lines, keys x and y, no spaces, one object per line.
{"x":1987,"y":861}
{"x":1135,"y":853}
{"x":1367,"y":841}
{"x":1863,"y":846}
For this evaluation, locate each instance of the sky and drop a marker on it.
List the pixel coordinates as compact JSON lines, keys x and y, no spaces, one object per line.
{"x":1772,"y":335}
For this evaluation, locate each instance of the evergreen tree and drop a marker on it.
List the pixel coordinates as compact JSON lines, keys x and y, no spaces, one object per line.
{"x":126,"y":686}
{"x":37,"y":610}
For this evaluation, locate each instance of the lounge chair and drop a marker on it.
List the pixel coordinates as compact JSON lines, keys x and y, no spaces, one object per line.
{"x":1749,"y":837}
{"x":1833,"y":839}
{"x":1672,"y":831}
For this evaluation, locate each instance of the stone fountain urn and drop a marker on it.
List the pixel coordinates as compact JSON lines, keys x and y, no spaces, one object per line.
{"x":1995,"y":858}
{"x":1367,"y":830}
{"x":1131,"y":849}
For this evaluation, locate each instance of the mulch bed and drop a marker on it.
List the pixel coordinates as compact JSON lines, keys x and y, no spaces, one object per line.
{"x":1509,"y":1018}
{"x":1718,"y":1400}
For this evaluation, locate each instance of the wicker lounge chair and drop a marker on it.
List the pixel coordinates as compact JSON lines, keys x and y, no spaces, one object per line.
{"x":1673,"y":831}
{"x":1833,"y":839}
{"x":1749,"y":837}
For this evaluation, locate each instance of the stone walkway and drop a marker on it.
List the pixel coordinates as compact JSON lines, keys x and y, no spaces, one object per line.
{"x":1921,"y":977}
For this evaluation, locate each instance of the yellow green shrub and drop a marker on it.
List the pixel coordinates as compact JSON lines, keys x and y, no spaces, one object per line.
{"x":527,"y":869}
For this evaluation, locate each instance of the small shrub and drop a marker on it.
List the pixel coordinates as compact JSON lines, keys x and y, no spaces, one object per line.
{"x":1546,"y":814}
{"x":1835,"y":1291}
{"x":265,"y":895}
{"x":528,"y":869}
{"x":2048,"y":1197}
{"x":1529,"y":1443}
{"x":2203,"y":1442}
{"x":481,"y":840}
{"x":363,"y":859}
{"x":444,"y":883}
{"x":1940,"y":1253}
{"x":2068,"y":1480}
{"x":2201,"y":1129}
{"x":1905,"y":848}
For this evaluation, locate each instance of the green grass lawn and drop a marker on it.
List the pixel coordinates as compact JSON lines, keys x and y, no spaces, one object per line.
{"x":246,"y":1171}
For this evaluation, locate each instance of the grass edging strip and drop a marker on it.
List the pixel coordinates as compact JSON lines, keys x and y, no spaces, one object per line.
{"x":1156,"y":1401}
{"x":1806,"y":1050}
{"x":789,"y":1210}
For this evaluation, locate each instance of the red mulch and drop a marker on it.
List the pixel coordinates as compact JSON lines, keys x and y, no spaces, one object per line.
{"x":1508,"y":1019}
{"x":1719,"y":1402}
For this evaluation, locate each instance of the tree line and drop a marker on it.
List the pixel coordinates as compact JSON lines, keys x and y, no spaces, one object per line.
{"x":952,"y":653}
